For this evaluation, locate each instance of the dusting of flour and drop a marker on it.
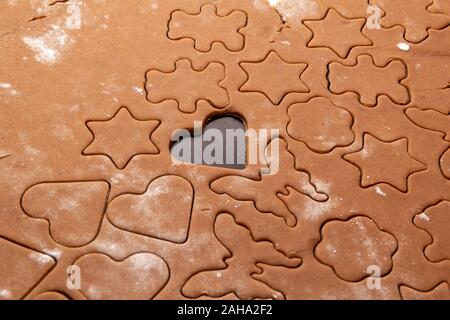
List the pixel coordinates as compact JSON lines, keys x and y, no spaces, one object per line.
{"x":290,"y":10}
{"x":5,"y":293}
{"x":49,"y":46}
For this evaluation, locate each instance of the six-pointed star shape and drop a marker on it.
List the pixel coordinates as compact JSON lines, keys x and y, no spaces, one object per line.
{"x":122,"y":137}
{"x":274,"y":77}
{"x":396,"y":163}
{"x":331,"y":31}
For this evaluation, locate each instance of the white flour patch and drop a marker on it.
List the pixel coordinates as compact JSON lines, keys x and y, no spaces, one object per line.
{"x":154,"y":4}
{"x":93,"y":292}
{"x":39,"y":6}
{"x":138,"y":90}
{"x":5,"y":293}
{"x":56,"y":253}
{"x":323,"y":186}
{"x":6,"y":88}
{"x":32,"y":152}
{"x":291,"y":10}
{"x":4,"y":85}
{"x":110,"y":247}
{"x":313,"y":210}
{"x":73,"y":19}
{"x":403,"y":46}
{"x":145,"y":262}
{"x":423,"y":216}
{"x":63,"y":132}
{"x":49,"y":46}
{"x":260,"y":4}
{"x":118,"y":177}
{"x":40,"y":258}
{"x":380,"y":192}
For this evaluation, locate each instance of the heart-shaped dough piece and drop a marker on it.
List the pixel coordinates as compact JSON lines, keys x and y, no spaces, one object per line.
{"x":163,"y":211}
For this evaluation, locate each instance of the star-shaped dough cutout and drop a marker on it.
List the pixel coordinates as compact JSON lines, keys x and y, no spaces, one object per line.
{"x":122,"y":137}
{"x":274,"y":77}
{"x":385,"y":162}
{"x":337,"y":33}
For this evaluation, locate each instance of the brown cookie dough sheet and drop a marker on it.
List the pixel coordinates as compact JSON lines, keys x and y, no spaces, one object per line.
{"x":92,"y":205}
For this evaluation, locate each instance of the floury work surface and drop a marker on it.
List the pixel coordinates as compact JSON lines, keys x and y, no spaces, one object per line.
{"x":336,"y":185}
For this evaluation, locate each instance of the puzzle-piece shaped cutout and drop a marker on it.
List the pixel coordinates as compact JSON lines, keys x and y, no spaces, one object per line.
{"x":413,"y":16}
{"x":383,"y":80}
{"x":187,"y":85}
{"x":220,"y":28}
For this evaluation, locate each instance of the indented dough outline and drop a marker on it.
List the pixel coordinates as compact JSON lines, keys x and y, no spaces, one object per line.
{"x":68,"y":182}
{"x":383,"y":182}
{"x":341,"y":15}
{"x":198,"y":70}
{"x":273,"y":51}
{"x":143,"y":193}
{"x":231,"y":255}
{"x":94,"y":253}
{"x":347,"y":219}
{"x":377,"y":98}
{"x":198,"y":13}
{"x":55,"y":262}
{"x":111,"y":118}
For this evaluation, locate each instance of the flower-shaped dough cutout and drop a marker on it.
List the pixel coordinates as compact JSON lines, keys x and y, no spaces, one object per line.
{"x":436,"y":221}
{"x":320,"y":124}
{"x":351,"y":247}
{"x":397,"y":166}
